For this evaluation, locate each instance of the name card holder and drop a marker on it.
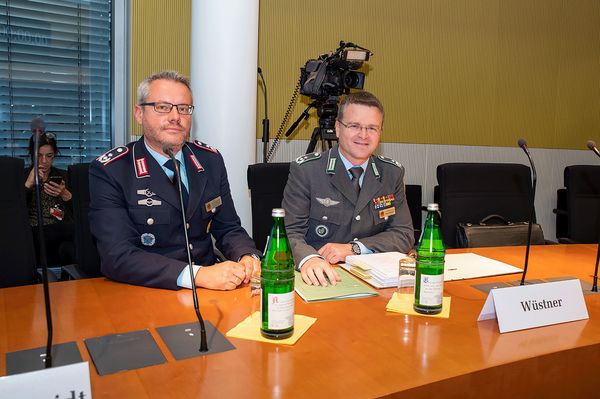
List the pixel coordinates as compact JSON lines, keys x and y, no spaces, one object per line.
{"x":536,"y":305}
{"x":63,"y":382}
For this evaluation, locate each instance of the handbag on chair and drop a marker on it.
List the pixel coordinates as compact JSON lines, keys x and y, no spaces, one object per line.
{"x":498,"y":234}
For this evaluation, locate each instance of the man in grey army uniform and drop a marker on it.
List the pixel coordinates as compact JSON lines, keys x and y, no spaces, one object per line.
{"x":346,"y":201}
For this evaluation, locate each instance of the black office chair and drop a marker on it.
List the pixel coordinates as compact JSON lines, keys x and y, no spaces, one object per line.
{"x":86,"y":254}
{"x":267,"y":182}
{"x":18,"y":265}
{"x":578,"y":205}
{"x":469,"y":192}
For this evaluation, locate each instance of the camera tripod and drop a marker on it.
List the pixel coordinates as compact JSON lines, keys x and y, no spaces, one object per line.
{"x":327,"y":111}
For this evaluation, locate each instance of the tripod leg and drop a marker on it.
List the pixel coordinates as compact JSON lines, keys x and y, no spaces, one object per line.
{"x":314,"y":137}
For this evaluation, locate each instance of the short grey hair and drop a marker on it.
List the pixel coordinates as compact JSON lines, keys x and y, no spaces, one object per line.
{"x":360,"y":98}
{"x":143,"y":89}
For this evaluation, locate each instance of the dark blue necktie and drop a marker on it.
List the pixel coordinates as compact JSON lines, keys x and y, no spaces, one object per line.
{"x":171,"y":166}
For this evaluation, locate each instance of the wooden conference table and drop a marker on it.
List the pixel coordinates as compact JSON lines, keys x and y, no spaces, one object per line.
{"x":355,"y":349}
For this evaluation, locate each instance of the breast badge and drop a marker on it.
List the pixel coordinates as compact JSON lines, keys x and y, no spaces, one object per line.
{"x":148,"y":239}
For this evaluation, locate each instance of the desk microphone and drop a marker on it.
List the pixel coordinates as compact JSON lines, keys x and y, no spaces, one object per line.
{"x":203,"y":343}
{"x":42,"y":248}
{"x":523,"y":144}
{"x":592,"y":146}
{"x":265,"y":122}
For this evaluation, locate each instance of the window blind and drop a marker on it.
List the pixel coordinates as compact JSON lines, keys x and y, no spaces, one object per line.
{"x":55,"y":63}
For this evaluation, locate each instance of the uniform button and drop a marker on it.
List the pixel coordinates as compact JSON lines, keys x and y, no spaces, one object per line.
{"x":213,"y":210}
{"x":324,"y":218}
{"x":150,"y":221}
{"x":191,"y":246}
{"x":187,"y":226}
{"x":357,"y":217}
{"x":386,"y":218}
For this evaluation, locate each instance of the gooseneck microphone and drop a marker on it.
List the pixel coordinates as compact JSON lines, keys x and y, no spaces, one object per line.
{"x":203,"y":342}
{"x":265,"y":122}
{"x":592,"y":146}
{"x":523,"y":144}
{"x":42,"y":245}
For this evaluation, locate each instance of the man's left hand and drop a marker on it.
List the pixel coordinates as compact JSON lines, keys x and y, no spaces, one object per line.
{"x":335,"y":253}
{"x":251,"y":266}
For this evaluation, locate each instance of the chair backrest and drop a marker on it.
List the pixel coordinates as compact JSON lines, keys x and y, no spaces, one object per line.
{"x":468,"y":192}
{"x":414,"y":199}
{"x":86,"y":254}
{"x":582,"y":184}
{"x":267,"y":182}
{"x":17,"y":253}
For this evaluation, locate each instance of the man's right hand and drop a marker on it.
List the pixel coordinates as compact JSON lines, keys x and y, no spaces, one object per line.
{"x":317,"y":271}
{"x":222,"y":276}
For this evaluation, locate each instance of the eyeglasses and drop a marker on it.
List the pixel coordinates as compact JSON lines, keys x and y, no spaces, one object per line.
{"x":165,"y":108}
{"x":357,"y":128}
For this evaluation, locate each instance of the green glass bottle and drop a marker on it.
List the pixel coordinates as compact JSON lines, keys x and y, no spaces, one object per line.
{"x":277,"y":283}
{"x":429,"y":278}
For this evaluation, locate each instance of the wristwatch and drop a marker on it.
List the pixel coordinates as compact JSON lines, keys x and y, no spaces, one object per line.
{"x":355,"y":248}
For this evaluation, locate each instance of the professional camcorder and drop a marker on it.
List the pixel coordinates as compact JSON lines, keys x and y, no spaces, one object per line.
{"x":334,"y":74}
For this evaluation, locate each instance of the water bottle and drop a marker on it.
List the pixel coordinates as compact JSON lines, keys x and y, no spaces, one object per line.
{"x":429,"y":279}
{"x":277,"y":283}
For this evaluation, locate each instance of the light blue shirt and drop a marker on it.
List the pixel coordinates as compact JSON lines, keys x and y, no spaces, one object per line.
{"x":161,"y":159}
{"x":348,"y":165}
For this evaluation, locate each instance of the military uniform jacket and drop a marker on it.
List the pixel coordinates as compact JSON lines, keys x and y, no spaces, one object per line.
{"x":322,"y":206}
{"x":136,"y":221}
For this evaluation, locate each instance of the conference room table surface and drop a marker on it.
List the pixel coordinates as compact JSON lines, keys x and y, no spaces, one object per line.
{"x":355,"y":349}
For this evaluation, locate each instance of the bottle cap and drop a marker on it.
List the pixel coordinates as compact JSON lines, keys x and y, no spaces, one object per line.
{"x":433,"y":207}
{"x":278,"y":212}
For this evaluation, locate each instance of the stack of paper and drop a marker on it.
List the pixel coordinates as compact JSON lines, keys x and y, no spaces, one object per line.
{"x":380,"y":269}
{"x":349,"y":287}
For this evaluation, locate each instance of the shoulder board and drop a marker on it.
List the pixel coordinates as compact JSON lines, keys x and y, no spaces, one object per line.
{"x":205,"y":146}
{"x":390,"y":161}
{"x":308,"y":157}
{"x":113,"y":154}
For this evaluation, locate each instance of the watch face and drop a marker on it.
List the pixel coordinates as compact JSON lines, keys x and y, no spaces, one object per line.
{"x":355,"y":248}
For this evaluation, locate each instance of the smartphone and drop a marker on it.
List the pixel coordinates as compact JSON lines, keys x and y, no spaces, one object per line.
{"x":55,"y":179}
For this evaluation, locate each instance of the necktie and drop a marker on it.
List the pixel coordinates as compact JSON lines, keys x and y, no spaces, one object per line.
{"x":171,"y":166}
{"x":356,"y":171}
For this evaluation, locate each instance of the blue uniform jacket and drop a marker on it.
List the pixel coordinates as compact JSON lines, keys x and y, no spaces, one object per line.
{"x":136,"y":221}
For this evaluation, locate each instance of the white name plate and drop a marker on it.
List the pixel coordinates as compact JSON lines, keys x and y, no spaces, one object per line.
{"x":536,"y":305}
{"x":64,"y":382}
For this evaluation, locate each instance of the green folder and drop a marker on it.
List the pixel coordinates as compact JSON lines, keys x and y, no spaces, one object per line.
{"x":349,"y":287}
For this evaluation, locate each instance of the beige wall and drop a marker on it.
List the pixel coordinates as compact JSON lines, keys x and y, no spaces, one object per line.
{"x":476,"y":72}
{"x":160,"y":39}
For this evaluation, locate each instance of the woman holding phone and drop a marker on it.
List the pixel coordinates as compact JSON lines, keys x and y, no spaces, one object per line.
{"x":56,"y":199}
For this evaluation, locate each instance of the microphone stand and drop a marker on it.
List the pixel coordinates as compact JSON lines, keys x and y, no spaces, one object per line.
{"x":592,"y":146}
{"x":265,"y":122}
{"x":523,"y":145}
{"x":203,"y":342}
{"x":42,"y":248}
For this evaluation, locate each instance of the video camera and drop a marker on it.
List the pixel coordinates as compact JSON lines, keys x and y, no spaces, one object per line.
{"x":334,"y":74}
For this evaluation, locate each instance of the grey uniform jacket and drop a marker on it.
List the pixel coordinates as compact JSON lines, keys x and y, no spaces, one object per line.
{"x":321,"y":205}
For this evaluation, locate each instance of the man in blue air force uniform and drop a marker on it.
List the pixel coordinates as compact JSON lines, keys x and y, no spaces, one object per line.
{"x":135,"y":212}
{"x":346,"y":201}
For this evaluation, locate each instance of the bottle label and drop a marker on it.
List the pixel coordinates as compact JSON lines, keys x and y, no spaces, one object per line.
{"x":432,"y":289}
{"x":281,"y":311}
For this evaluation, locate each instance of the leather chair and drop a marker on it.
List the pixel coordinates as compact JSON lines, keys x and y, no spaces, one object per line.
{"x":86,"y":254}
{"x":578,"y":205}
{"x":18,"y":266}
{"x":468,"y":192}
